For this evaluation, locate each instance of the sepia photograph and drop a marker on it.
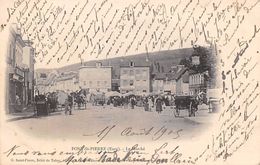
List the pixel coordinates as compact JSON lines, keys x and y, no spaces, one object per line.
{"x":129,"y":82}
{"x":144,"y":95}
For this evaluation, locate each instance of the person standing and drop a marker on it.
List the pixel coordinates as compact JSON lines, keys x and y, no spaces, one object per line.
{"x":159,"y":104}
{"x":145,"y":103}
{"x":150,"y":102}
{"x":68,"y":104}
{"x":126,"y":102}
{"x":114,"y":101}
{"x":132,"y":102}
{"x":17,"y":100}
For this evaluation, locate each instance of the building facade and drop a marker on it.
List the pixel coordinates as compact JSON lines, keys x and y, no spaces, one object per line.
{"x":163,"y":82}
{"x":67,"y":83}
{"x":182,"y":86}
{"x":96,"y":77}
{"x":28,"y":61}
{"x":40,"y":83}
{"x":197,"y":82}
{"x":50,"y":82}
{"x":158,"y":83}
{"x":19,"y":72}
{"x":181,"y":77}
{"x":135,"y":79}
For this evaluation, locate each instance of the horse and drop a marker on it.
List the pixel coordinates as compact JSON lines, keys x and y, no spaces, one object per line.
{"x":189,"y":103}
{"x":52,"y":101}
{"x":79,"y":100}
{"x":202,"y":98}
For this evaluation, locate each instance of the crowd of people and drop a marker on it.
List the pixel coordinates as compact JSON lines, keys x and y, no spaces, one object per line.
{"x":52,"y":100}
{"x":147,"y":102}
{"x":68,"y":100}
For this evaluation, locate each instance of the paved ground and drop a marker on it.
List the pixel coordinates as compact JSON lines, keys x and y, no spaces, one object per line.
{"x":116,"y":123}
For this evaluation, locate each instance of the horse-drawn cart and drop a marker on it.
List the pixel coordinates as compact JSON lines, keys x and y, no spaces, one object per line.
{"x":188,"y":103}
{"x":99,"y":99}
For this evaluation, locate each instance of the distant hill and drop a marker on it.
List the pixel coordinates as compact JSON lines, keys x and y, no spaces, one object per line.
{"x":159,"y":61}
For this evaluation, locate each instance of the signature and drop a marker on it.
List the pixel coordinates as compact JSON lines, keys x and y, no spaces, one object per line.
{"x":161,"y":154}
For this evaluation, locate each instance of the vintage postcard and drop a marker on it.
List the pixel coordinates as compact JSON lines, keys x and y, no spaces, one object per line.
{"x":130,"y":82}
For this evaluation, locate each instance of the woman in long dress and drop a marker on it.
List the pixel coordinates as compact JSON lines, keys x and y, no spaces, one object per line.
{"x":132,"y":102}
{"x":159,"y":105}
{"x":150,"y":102}
{"x":146,"y":105}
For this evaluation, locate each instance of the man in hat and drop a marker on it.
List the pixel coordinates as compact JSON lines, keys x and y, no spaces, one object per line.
{"x":68,"y":104}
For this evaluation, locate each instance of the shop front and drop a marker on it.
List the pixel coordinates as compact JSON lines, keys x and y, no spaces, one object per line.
{"x":16,"y":91}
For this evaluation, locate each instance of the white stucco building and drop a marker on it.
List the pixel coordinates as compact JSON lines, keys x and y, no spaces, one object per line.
{"x":135,"y":79}
{"x":95,"y":77}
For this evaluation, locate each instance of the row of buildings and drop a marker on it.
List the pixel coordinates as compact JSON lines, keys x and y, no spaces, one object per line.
{"x":132,"y":78}
{"x":138,"y":75}
{"x":19,"y":71}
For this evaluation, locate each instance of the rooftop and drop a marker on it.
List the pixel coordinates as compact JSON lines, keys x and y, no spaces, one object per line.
{"x":160,"y":76}
{"x":81,"y":67}
{"x":170,"y":76}
{"x":67,"y":77}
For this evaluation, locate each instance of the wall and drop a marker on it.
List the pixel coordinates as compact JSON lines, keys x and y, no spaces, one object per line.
{"x":136,"y":79}
{"x":95,"y":78}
